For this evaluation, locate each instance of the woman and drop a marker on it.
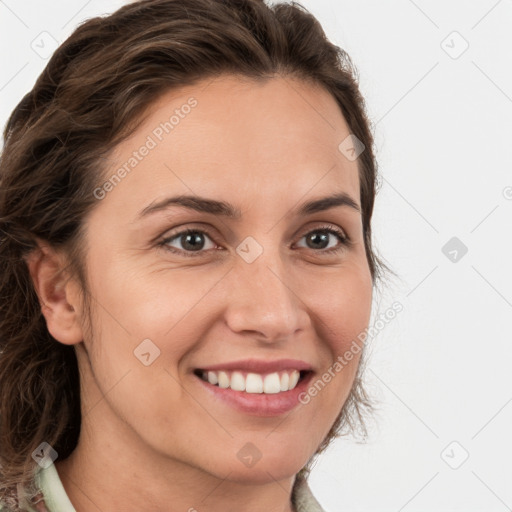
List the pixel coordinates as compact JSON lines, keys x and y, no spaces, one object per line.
{"x":172,"y":336}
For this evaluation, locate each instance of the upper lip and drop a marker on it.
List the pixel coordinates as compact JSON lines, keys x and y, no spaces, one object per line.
{"x":261,"y":365}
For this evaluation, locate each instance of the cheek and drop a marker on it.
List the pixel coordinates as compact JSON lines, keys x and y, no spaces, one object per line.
{"x":140,"y":302}
{"x":142,"y":329}
{"x":342,"y":304}
{"x":173,"y":309}
{"x":341,"y":307}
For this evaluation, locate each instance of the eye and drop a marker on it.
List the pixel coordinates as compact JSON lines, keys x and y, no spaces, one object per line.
{"x":191,"y":241}
{"x":320,"y":236}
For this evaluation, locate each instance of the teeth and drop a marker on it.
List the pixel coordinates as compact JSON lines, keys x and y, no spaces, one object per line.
{"x":237,"y":381}
{"x":294,"y":378}
{"x":253,"y":383}
{"x":271,"y":383}
{"x":223,"y":380}
{"x":285,"y":381}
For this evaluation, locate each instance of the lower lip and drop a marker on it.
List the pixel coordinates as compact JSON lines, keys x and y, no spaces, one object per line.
{"x":259,"y":404}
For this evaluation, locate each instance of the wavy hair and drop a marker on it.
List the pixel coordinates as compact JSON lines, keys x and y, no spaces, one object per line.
{"x":92,"y":94}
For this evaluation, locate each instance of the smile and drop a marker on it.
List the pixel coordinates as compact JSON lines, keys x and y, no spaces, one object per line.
{"x":255,"y":386}
{"x":270,"y":383}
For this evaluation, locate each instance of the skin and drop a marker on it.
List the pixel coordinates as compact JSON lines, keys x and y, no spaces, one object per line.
{"x":152,"y":439}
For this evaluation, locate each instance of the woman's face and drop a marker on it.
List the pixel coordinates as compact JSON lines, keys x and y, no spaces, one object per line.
{"x":252,"y":298}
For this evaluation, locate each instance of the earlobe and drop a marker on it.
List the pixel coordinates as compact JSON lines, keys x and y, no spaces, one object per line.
{"x":57,"y":294}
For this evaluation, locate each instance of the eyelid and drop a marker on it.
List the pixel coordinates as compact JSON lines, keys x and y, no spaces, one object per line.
{"x":325,"y":226}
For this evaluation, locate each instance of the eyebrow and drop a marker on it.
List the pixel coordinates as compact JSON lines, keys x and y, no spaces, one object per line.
{"x":205,"y":205}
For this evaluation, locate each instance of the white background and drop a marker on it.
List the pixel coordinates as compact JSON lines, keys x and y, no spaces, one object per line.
{"x":440,"y":371}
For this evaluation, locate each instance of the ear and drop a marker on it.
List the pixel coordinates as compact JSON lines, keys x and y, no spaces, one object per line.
{"x":58,"y":295}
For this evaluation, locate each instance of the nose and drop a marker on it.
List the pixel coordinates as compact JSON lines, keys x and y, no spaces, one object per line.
{"x":265,"y":301}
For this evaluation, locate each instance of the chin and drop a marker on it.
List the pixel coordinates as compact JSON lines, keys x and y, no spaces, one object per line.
{"x":263,"y":473}
{"x":253,"y":466}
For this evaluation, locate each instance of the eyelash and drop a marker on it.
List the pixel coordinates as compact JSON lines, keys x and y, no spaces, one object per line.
{"x":345,"y":241}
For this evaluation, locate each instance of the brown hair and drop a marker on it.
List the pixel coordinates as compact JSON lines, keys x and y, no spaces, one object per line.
{"x":92,"y":94}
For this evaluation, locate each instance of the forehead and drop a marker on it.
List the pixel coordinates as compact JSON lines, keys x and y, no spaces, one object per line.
{"x":241,"y":136}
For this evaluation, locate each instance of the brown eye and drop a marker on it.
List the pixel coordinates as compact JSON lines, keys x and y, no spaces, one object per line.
{"x":191,"y":241}
{"x":320,"y":239}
